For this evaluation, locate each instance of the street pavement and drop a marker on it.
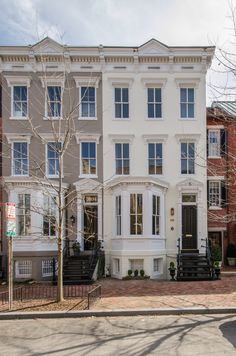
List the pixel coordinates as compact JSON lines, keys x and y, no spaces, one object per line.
{"x":150,"y":335}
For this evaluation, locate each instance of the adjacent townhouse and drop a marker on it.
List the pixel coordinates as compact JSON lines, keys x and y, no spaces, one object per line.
{"x":221,"y":149}
{"x":51,"y":97}
{"x":134,"y":173}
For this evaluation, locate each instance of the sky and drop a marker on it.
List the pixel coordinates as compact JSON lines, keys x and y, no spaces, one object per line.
{"x":117,"y":22}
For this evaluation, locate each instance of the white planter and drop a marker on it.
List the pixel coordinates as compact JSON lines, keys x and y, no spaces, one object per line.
{"x":231,"y":261}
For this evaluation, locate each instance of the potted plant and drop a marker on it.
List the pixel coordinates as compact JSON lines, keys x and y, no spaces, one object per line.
{"x":172,"y":271}
{"x":136,"y":273}
{"x":216,"y":254}
{"x":76,"y":248}
{"x":217,"y":269}
{"x":142,"y":273}
{"x":231,"y":254}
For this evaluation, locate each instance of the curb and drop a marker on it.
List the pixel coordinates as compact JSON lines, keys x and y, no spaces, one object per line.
{"x":115,"y":312}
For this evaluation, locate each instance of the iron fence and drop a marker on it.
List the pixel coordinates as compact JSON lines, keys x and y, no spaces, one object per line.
{"x":94,"y":295}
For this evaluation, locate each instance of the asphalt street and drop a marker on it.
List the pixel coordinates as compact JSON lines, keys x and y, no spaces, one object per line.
{"x":149,"y":335}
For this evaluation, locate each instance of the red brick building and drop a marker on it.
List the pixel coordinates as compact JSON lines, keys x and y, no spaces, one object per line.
{"x":221,"y":164}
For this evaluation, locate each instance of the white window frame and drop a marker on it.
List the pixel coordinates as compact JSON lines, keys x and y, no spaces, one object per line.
{"x":47,"y":268}
{"x":47,"y":163}
{"x":14,"y":81}
{"x":24,"y":215}
{"x":49,"y":213}
{"x":154,"y":118}
{"x":13,"y":159}
{"x":188,"y":142}
{"x":156,"y":216}
{"x":214,"y":148}
{"x":122,"y":158}
{"x":136,"y":214}
{"x":189,"y":83}
{"x":155,"y":159}
{"x":116,"y":266}
{"x":122,"y":103}
{"x":187,"y":102}
{"x":88,"y":175}
{"x":118,"y":214}
{"x":49,"y":117}
{"x":27,"y":265}
{"x":81,"y":117}
{"x":215,"y":206}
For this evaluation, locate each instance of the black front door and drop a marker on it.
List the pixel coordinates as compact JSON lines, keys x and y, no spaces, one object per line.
{"x":189,"y":227}
{"x":90,"y":226}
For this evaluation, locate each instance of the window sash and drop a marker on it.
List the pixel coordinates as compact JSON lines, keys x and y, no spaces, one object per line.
{"x":154,"y":103}
{"x":23,"y":269}
{"x":187,"y":158}
{"x":187,"y":102}
{"x":88,"y":101}
{"x":24,"y":214}
{"x":118,"y":215}
{"x":53,"y":149}
{"x":20,"y":158}
{"x":54,"y":101}
{"x":122,"y":103}
{"x":89,"y":158}
{"x":136,"y":214}
{"x":20,"y":101}
{"x":214,"y":194}
{"x":49,"y":216}
{"x":214,"y":143}
{"x":155,"y":158}
{"x":47,"y":268}
{"x":155,"y":215}
{"x":122,"y":158}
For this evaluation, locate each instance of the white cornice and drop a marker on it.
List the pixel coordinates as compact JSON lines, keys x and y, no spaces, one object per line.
{"x":119,"y":81}
{"x":87,"y":137}
{"x":155,"y":138}
{"x":30,"y":182}
{"x":137,"y":181}
{"x":187,"y":136}
{"x":187,"y":82}
{"x":154,"y":82}
{"x":23,"y":137}
{"x":86,"y":81}
{"x":16,"y":80}
{"x":52,"y":81}
{"x":121,"y":137}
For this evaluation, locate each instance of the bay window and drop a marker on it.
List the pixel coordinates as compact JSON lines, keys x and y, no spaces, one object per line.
{"x":136,"y":214}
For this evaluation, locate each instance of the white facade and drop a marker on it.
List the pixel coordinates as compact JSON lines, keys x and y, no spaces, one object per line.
{"x":153,"y":66}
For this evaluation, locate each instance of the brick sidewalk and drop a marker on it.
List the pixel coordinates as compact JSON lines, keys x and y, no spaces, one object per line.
{"x":117,"y":294}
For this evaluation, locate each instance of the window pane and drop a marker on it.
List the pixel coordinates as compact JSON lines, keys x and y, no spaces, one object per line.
{"x":184,"y":166}
{"x":158,"y":95}
{"x":152,"y":166}
{"x":191,"y":95}
{"x":93,"y":166}
{"x":132,"y":203}
{"x":85,"y":166}
{"x":191,"y":152}
{"x":151,"y":150}
{"x":85,"y":149}
{"x":132,"y":225}
{"x":126,"y":166}
{"x":125,"y":95}
{"x":92,"y":110}
{"x":183,"y":95}
{"x":150,"y":95}
{"x":158,"y":150}
{"x":118,"y":166}
{"x":91,"y":91}
{"x":125,"y":110}
{"x":139,"y":225}
{"x":158,"y":110}
{"x":150,"y":110}
{"x":183,"y":150}
{"x":139,"y":203}
{"x":125,"y":150}
{"x":183,"y":108}
{"x":190,"y":110}
{"x":84,"y":109}
{"x":158,"y":166}
{"x":92,"y":146}
{"x":118,"y":150}
{"x":117,"y":94}
{"x":118,"y":110}
{"x":191,"y":166}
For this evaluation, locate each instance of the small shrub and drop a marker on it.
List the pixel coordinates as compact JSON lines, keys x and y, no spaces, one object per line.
{"x":172,"y":265}
{"x":136,"y":273}
{"x":142,"y":273}
{"x":130,"y":272}
{"x":216,"y":253}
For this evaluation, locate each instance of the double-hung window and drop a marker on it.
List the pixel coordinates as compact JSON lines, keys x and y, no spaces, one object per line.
{"x":88,"y":102}
{"x":155,"y":158}
{"x":187,"y":158}
{"x":54,"y":101}
{"x":118,"y":215}
{"x":20,"y":101}
{"x":23,"y":214}
{"x":47,"y":268}
{"x":154,"y":103}
{"x":155,"y":215}
{"x":214,"y":143}
{"x":20,"y":159}
{"x":214,"y":193}
{"x":122,"y":158}
{"x":136,"y":214}
{"x":187,"y":103}
{"x":122,"y":103}
{"x":49,"y":216}
{"x":53,"y":152}
{"x":88,"y":158}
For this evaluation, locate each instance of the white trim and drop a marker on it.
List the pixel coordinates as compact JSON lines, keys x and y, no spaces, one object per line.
{"x":187,"y":137}
{"x":212,"y":178}
{"x":12,"y":159}
{"x":17,"y":272}
{"x":187,"y":82}
{"x":154,"y":82}
{"x":87,"y":81}
{"x":87,"y":137}
{"x":46,"y":81}
{"x":120,"y":82}
{"x":155,"y":138}
{"x":12,"y":137}
{"x":216,"y":229}
{"x":18,"y":80}
{"x":88,"y":175}
{"x":83,"y":118}
{"x":215,"y":127}
{"x":121,"y":138}
{"x":46,"y":116}
{"x":12,"y":117}
{"x":46,"y":162}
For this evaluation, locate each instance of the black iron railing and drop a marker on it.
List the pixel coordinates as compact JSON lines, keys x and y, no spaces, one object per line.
{"x":94,"y":295}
